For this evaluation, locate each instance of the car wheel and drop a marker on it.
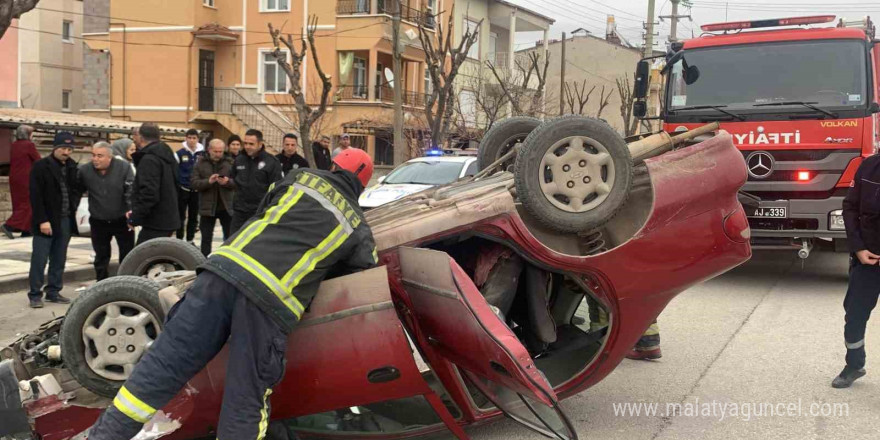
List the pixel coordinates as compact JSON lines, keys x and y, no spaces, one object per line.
{"x":573,"y":173}
{"x":160,"y":255}
{"x":107,"y":330}
{"x":503,"y":136}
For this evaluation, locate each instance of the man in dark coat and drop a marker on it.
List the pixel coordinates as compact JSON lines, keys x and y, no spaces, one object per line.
{"x":154,"y":198}
{"x":252,"y":173}
{"x":321,"y":151}
{"x":21,"y":159}
{"x":211,"y":179}
{"x":289,"y":158}
{"x":54,"y":198}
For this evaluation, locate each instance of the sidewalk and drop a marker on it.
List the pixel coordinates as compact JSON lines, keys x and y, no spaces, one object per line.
{"x":15,"y":260}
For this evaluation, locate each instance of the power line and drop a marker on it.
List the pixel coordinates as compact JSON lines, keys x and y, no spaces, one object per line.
{"x":589,"y":72}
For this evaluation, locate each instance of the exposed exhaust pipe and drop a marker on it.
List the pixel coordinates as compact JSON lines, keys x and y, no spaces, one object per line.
{"x":806,"y":248}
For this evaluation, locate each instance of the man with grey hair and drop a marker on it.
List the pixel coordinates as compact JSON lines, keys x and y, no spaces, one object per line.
{"x":21,"y":159}
{"x":109,"y":184}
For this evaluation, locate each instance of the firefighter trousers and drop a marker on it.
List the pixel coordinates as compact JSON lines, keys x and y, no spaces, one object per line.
{"x":860,"y":300}
{"x":197,"y":328}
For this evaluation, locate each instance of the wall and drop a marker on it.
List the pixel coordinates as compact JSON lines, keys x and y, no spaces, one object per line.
{"x":9,"y":67}
{"x":5,"y":199}
{"x":599,"y":63}
{"x":96,"y":81}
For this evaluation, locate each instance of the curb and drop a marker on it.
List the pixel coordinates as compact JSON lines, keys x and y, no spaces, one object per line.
{"x":82,"y":273}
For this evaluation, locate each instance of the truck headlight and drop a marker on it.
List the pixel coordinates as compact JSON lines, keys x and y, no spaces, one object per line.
{"x":835,"y":220}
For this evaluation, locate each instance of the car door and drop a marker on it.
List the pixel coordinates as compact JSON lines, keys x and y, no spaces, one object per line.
{"x":461,"y":328}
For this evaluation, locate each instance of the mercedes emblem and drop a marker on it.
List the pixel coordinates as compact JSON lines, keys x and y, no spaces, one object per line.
{"x":760,"y":164}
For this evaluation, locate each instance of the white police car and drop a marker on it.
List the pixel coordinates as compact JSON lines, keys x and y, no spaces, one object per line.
{"x":416,"y":175}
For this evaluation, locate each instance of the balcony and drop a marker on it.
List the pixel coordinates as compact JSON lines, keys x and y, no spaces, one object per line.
{"x":384,"y":95}
{"x":408,"y":11}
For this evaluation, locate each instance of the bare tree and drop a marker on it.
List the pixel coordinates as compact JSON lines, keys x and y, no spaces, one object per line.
{"x":12,"y":9}
{"x":444,"y":60}
{"x":524,"y":93}
{"x":577,"y":97}
{"x":604,"y":100}
{"x":624,"y":88}
{"x":306,"y":114}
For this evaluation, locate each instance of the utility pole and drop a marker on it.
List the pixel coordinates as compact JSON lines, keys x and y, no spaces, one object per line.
{"x":649,"y":29}
{"x":562,"y":79}
{"x":400,"y":151}
{"x":673,"y":32}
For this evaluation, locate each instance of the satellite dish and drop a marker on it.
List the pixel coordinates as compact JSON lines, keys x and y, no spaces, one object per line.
{"x":389,"y":76}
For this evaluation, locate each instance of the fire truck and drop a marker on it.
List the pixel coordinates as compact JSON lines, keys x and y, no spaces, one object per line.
{"x":801,"y":98}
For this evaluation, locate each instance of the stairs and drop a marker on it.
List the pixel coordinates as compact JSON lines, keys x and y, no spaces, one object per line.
{"x":240,"y":109}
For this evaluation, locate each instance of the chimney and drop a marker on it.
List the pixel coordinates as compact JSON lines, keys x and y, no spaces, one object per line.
{"x":611,"y":31}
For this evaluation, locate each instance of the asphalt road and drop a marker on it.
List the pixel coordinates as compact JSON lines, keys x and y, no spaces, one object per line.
{"x":769,"y":332}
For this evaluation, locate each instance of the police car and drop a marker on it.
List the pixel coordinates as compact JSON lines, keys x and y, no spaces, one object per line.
{"x":437,"y":168}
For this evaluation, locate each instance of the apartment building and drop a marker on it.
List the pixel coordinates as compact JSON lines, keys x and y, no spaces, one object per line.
{"x":51,"y":56}
{"x":209,"y":64}
{"x":9,"y":68}
{"x":501,"y":22}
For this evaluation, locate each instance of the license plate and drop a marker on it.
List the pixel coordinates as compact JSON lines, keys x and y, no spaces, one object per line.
{"x":769,"y":213}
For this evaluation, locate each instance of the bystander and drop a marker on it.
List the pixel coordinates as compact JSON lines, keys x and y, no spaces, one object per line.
{"x":321,"y":151}
{"x":252,"y":173}
{"x":187,"y":198}
{"x":289,"y":158}
{"x":344,"y":144}
{"x":233,"y":145}
{"x":21,"y":159}
{"x":211,"y":179}
{"x":108,"y":182}
{"x":154,"y":197}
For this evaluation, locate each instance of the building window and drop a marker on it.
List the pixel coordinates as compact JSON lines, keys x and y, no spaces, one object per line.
{"x":274,"y":78}
{"x":360,"y":78}
{"x":470,"y":27}
{"x":67,"y":31}
{"x":468,"y":105}
{"x":275,"y":5}
{"x":429,"y":85}
{"x":65,"y":100}
{"x":382,"y":83}
{"x":208,"y":3}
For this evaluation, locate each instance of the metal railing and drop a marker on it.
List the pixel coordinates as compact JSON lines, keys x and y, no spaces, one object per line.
{"x":256,"y":116}
{"x":352,"y":93}
{"x":407,"y":13}
{"x":385,"y":93}
{"x":352,"y":7}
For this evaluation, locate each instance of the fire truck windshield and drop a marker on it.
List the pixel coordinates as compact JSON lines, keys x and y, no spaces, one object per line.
{"x":830,"y":74}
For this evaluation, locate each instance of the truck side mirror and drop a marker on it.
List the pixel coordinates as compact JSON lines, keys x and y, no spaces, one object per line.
{"x":640,"y":109}
{"x":643,"y":73}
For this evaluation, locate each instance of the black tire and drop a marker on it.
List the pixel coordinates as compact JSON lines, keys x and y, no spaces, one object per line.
{"x":127,"y":289}
{"x":528,"y":172}
{"x":502,"y":137}
{"x":178,"y":253}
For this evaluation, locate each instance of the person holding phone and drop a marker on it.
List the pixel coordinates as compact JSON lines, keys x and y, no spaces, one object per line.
{"x":211,"y":180}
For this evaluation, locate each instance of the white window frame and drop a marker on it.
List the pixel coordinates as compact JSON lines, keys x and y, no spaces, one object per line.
{"x":359,"y":71}
{"x":493,"y":47}
{"x":264,"y":6}
{"x":69,"y":95}
{"x":208,"y":3}
{"x":380,"y":80}
{"x":262,"y":71}
{"x":68,"y":38}
{"x":429,"y":84}
{"x":469,"y":24}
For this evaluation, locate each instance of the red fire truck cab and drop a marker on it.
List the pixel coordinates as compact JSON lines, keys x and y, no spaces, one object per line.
{"x":801,"y":104}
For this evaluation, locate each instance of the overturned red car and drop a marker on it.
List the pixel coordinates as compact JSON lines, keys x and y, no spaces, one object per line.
{"x":485,"y":303}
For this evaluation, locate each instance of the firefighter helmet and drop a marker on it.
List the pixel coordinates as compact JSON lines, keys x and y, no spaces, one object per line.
{"x":357,"y":161}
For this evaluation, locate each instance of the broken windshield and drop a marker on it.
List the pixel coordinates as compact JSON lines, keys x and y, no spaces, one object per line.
{"x":826,"y":73}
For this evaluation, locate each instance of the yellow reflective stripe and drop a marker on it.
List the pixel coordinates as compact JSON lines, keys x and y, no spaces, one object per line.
{"x":272,"y":216}
{"x":314,"y":255}
{"x":264,"y":275}
{"x":133,"y":407}
{"x":264,"y":415}
{"x":375,"y":255}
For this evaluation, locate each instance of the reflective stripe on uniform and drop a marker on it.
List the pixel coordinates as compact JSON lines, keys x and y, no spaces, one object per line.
{"x":265,"y":276}
{"x":314,"y":255}
{"x":855,"y":345}
{"x":264,"y":415}
{"x":133,"y":407}
{"x":273,"y":215}
{"x":375,"y":255}
{"x":652,"y":330}
{"x":328,"y":205}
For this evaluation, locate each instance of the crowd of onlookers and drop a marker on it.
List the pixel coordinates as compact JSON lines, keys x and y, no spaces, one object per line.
{"x":138,"y":189}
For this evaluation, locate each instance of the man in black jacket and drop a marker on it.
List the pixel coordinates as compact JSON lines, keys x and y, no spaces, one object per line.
{"x":321,"y":151}
{"x":211,"y":179}
{"x":54,"y":199}
{"x":154,"y":198}
{"x":288,"y":157}
{"x":252,"y":173}
{"x":252,"y":292}
{"x":861,"y":216}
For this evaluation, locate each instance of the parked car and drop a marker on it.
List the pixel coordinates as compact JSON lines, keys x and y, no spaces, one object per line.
{"x":488,"y":300}
{"x":417,"y":175}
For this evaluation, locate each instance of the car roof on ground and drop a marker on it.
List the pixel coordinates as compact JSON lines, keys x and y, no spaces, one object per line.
{"x":458,"y":159}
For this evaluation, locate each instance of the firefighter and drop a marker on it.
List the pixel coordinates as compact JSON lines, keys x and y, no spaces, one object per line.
{"x":648,"y":346}
{"x":253,"y":291}
{"x":861,"y":217}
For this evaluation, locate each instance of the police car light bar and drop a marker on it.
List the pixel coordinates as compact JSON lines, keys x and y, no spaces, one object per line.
{"x":794,"y":21}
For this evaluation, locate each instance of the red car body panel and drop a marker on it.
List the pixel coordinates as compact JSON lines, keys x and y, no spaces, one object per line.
{"x":352,"y":330}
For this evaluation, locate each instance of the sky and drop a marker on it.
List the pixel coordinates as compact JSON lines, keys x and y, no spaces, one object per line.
{"x":630,"y":14}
